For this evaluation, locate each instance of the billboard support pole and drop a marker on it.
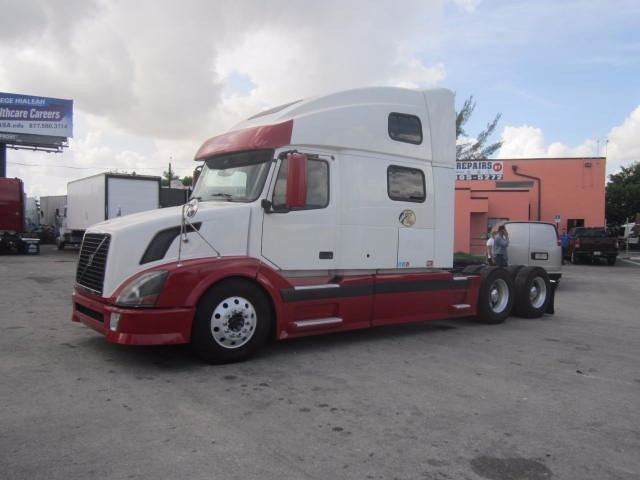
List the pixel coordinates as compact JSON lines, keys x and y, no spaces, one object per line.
{"x":3,"y":160}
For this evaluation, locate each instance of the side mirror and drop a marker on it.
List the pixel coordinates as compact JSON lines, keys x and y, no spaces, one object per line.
{"x":296,"y":180}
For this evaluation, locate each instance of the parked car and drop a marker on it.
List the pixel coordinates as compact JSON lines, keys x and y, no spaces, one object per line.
{"x":593,"y":243}
{"x":535,"y":244}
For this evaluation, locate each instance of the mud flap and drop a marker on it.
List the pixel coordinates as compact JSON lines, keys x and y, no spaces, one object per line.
{"x":551,"y":307}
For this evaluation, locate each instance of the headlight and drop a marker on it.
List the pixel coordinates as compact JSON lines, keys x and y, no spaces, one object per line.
{"x":143,"y":291}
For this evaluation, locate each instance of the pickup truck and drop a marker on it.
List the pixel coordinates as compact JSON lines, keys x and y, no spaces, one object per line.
{"x":592,"y":243}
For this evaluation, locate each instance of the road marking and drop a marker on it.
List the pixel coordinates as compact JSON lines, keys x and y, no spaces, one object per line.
{"x":631,"y":261}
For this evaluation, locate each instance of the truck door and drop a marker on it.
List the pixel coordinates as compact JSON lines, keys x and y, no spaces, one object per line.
{"x":408,"y":189}
{"x":303,"y":238}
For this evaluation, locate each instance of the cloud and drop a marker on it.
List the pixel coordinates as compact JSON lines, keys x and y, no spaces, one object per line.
{"x":168,"y":77}
{"x":152,"y":79}
{"x":622,"y":147}
{"x":468,"y":6}
{"x":529,"y":142}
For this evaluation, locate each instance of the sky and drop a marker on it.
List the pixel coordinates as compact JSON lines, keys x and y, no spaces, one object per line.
{"x":151,"y":80}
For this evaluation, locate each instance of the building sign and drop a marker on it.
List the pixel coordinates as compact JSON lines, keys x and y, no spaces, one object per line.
{"x":26,"y":115}
{"x":479,"y":170}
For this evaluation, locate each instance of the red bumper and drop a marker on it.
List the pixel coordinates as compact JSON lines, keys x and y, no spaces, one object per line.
{"x":148,"y":326}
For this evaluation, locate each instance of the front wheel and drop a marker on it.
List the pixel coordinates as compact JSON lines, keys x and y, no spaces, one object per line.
{"x":495,"y":298}
{"x":232,"y":322}
{"x":533,"y":292}
{"x":611,"y":260}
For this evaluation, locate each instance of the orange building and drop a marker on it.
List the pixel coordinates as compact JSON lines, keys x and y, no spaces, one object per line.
{"x":567,"y":191}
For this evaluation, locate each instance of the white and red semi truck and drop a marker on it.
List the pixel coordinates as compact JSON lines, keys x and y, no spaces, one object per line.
{"x":323,"y":215}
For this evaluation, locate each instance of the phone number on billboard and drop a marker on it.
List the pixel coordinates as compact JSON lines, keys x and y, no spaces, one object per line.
{"x":484,"y":176}
{"x":57,"y":126}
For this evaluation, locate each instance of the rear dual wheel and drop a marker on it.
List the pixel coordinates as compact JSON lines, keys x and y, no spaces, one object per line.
{"x":495,"y":298}
{"x":525,"y":290}
{"x":533,"y":292}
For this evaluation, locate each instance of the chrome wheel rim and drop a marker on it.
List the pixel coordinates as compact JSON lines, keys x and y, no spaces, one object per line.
{"x":537,"y":292}
{"x":499,"y":295}
{"x":233,"y":322}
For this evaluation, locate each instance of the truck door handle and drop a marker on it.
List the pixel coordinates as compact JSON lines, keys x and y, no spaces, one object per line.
{"x":326,"y":255}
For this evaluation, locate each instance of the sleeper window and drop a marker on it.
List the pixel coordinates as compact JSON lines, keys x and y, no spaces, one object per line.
{"x":405,"y":128}
{"x":406,"y":184}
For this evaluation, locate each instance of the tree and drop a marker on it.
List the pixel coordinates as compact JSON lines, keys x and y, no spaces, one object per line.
{"x":475,"y":148}
{"x":622,"y":197}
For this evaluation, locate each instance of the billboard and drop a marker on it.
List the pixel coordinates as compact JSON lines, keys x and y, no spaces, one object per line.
{"x":479,"y":170}
{"x":28,"y":117}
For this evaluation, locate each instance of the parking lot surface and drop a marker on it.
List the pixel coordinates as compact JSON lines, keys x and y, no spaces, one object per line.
{"x":556,"y":397}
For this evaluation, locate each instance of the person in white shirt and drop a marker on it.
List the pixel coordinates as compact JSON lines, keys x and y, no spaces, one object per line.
{"x":489,"y":249}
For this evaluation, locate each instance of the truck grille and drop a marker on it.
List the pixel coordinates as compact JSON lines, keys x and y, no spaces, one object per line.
{"x":93,"y":261}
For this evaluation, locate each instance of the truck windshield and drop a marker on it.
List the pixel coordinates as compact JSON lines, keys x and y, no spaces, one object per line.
{"x":236,"y":177}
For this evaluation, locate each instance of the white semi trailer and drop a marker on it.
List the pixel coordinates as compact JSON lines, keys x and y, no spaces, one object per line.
{"x":104,"y":196}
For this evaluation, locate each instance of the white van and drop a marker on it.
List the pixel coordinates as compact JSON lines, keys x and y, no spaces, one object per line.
{"x":629,"y":235}
{"x":535,"y":244}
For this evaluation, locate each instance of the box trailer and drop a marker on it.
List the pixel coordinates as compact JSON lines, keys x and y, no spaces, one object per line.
{"x":14,"y":234}
{"x":324,"y":215}
{"x":52,"y":209}
{"x":102,"y":197}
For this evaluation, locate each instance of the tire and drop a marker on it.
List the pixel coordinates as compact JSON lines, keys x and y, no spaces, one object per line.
{"x":232,"y":322}
{"x":60,"y":244}
{"x":611,"y":260}
{"x":472,"y":269}
{"x":533,"y":292}
{"x":495,"y":298}
{"x":513,"y":270}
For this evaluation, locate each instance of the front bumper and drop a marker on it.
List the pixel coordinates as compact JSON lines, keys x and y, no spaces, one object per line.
{"x":140,"y":326}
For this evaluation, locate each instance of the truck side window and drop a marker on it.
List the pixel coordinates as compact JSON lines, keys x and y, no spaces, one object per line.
{"x":317,"y":185}
{"x":405,"y":128}
{"x":406,"y":184}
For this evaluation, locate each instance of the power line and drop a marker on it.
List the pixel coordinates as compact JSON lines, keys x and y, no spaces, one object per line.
{"x":79,"y":168}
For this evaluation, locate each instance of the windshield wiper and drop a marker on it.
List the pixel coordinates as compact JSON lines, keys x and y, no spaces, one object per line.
{"x":228,"y":196}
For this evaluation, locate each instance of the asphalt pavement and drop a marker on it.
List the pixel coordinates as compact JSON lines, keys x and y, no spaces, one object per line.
{"x":555,"y":397}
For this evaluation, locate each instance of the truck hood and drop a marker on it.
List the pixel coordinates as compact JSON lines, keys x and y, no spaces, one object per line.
{"x":147,"y":239}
